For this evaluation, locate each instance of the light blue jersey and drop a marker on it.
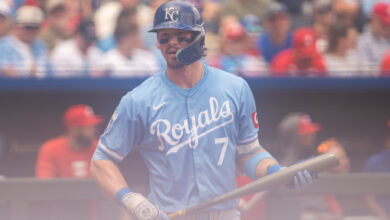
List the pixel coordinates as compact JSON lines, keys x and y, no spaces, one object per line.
{"x":189,"y":139}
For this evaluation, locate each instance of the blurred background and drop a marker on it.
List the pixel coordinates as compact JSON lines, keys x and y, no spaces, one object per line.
{"x":319,"y":70}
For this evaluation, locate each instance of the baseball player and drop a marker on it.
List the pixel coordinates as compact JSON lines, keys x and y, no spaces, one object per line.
{"x":191,"y":124}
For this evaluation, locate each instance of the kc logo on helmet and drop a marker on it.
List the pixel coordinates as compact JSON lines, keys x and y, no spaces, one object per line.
{"x":172,"y":14}
{"x":255,"y":120}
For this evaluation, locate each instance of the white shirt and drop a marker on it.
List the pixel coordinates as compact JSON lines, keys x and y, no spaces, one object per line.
{"x":68,"y":61}
{"x":141,"y":63}
{"x":346,"y":66}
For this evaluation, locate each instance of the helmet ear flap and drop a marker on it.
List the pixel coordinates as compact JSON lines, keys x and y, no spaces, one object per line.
{"x":194,"y":51}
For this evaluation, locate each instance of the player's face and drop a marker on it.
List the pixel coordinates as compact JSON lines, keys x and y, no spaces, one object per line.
{"x":170,"y":41}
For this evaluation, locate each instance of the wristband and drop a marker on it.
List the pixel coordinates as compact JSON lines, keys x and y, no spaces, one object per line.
{"x":251,"y":164}
{"x":273,"y":168}
{"x":121,"y":193}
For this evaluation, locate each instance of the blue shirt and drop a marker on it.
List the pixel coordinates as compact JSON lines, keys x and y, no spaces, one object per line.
{"x":188,"y":138}
{"x":12,"y":55}
{"x":380,"y":163}
{"x":267,"y":48}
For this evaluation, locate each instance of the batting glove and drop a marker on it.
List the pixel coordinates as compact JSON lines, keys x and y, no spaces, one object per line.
{"x":301,"y":180}
{"x":140,"y":207}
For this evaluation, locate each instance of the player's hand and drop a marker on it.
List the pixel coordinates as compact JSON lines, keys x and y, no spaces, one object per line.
{"x":303,"y":179}
{"x":140,"y":207}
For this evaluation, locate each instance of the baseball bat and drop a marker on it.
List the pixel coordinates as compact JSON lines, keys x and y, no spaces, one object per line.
{"x":282,"y":177}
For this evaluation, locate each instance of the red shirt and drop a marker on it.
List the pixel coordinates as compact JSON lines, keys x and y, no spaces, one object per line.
{"x":285,"y":64}
{"x":57,"y":159}
{"x":258,"y":211}
{"x":385,"y":66}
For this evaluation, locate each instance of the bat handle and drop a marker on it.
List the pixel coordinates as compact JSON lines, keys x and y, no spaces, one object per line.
{"x":177,"y":214}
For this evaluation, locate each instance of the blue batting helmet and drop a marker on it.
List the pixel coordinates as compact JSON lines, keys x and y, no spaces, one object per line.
{"x":184,"y":16}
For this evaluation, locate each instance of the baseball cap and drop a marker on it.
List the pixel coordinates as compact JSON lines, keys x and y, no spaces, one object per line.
{"x":276,"y":8}
{"x":306,"y":126}
{"x":4,"y":9}
{"x":234,"y":31}
{"x":304,"y":40}
{"x":382,"y":10}
{"x":80,"y":116}
{"x":29,"y":16}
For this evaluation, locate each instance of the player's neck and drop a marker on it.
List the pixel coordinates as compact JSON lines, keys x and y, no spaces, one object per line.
{"x":188,"y":76}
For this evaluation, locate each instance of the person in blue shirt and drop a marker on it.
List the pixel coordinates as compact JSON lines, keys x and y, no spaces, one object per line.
{"x":277,"y":35}
{"x":191,"y":124}
{"x":22,"y":53}
{"x":380,"y":163}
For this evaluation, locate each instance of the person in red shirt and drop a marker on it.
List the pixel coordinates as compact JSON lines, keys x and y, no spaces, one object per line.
{"x":69,"y":155}
{"x":302,"y":59}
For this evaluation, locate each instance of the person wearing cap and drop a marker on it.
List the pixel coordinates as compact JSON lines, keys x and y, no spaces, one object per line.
{"x":55,"y":30}
{"x":302,"y":59}
{"x":380,"y":163}
{"x":278,"y":36}
{"x":232,"y":57}
{"x":373,"y":43}
{"x":69,"y":155}
{"x":78,"y":56}
{"x":4,"y":19}
{"x":23,"y":54}
{"x":323,"y":19}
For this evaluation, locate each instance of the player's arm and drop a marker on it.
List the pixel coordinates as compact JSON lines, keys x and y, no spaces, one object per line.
{"x":108,"y":176}
{"x":259,"y":163}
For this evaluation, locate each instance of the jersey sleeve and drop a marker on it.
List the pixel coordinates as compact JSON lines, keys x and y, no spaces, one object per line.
{"x":124,"y":132}
{"x":248,"y":123}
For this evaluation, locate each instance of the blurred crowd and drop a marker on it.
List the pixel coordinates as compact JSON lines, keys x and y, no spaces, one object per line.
{"x":252,"y":38}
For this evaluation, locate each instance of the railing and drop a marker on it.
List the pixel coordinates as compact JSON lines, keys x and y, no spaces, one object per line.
{"x":27,"y":198}
{"x":257,"y":84}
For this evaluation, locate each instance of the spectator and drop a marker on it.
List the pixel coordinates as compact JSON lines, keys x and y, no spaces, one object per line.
{"x":55,"y":30}
{"x":302,"y":59}
{"x":374,"y":42}
{"x":106,"y":17}
{"x":323,"y":19}
{"x":78,"y":57}
{"x":232,"y":57}
{"x":347,"y":10}
{"x":22,"y":53}
{"x":240,"y":8}
{"x":4,"y":19}
{"x":277,"y":36}
{"x":341,"y":58}
{"x":69,"y":155}
{"x":368,"y":6}
{"x":379,"y":163}
{"x":127,"y":60}
{"x":253,"y":30}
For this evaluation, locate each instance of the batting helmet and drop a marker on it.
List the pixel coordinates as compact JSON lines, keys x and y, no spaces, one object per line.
{"x":184,"y":16}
